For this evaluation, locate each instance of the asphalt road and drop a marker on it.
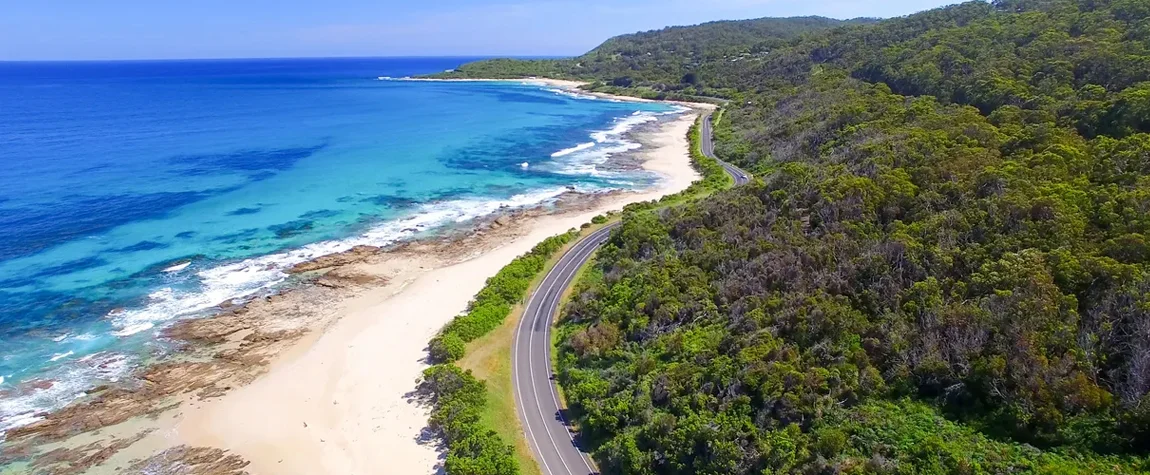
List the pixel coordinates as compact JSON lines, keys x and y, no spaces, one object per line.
{"x":707,"y":143}
{"x":536,"y":396}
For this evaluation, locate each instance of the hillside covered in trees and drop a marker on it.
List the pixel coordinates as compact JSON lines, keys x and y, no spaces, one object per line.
{"x":670,"y":56}
{"x":943,"y":268}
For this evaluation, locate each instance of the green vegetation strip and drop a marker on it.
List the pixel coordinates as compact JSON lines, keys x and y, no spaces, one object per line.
{"x":492,"y":305}
{"x":458,"y":398}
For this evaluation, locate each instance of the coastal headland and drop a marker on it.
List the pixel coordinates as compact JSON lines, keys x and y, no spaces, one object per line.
{"x":320,"y":376}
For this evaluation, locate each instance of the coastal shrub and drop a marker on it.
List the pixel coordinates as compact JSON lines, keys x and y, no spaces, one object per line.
{"x":622,"y":81}
{"x":447,"y":347}
{"x":989,"y":269}
{"x":600,"y":219}
{"x":478,"y":321}
{"x":458,"y":399}
{"x":509,"y":285}
{"x":919,"y":434}
{"x":549,"y":246}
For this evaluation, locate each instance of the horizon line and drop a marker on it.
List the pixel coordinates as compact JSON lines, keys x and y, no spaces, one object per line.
{"x":275,"y":58}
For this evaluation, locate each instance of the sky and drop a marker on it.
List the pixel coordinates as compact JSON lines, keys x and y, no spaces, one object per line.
{"x":162,"y":29}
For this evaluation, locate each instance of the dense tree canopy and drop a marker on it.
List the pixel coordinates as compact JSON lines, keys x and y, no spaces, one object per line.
{"x":944,"y":268}
{"x":675,"y":55}
{"x":899,"y":248}
{"x":671,"y":58}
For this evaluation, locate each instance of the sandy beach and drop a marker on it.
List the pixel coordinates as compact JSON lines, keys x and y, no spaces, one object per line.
{"x":342,"y":404}
{"x":320,"y":378}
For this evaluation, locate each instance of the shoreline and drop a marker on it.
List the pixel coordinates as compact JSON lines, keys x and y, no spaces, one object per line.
{"x":567,"y":85}
{"x":334,"y":407}
{"x":252,"y":353}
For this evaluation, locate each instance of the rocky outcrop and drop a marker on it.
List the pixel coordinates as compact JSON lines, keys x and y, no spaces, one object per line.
{"x":116,"y":405}
{"x":344,"y":278}
{"x":350,"y":256}
{"x":209,"y":331}
{"x":78,"y":459}
{"x":184,"y":460}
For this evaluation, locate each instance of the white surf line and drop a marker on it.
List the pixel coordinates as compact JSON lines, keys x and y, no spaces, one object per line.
{"x":578,"y":148}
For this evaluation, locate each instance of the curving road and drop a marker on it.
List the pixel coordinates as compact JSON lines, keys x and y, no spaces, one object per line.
{"x":536,"y":396}
{"x":707,"y":143}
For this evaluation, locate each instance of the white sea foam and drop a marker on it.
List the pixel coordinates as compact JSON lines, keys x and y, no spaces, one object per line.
{"x":218,"y":284}
{"x":251,"y":276}
{"x":575,"y":95}
{"x":64,"y":384}
{"x":60,"y":356}
{"x":569,"y":151}
{"x":178,"y":267}
{"x":624,"y":125}
{"x":587,"y":158}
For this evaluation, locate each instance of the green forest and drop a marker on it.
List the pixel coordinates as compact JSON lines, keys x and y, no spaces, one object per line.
{"x":662,"y":56}
{"x":943,"y":266}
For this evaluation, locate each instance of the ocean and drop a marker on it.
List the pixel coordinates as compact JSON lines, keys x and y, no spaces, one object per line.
{"x":135,"y":194}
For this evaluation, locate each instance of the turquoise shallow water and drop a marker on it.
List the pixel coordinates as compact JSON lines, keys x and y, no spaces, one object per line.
{"x":137,"y":193}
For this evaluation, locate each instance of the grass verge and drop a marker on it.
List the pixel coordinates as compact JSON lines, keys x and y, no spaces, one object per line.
{"x":489,"y":359}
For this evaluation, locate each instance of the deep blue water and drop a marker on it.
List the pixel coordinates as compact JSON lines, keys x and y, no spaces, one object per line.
{"x":136,"y":193}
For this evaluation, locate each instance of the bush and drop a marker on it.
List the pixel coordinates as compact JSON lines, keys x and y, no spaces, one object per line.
{"x":458,"y":398}
{"x":447,"y":347}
